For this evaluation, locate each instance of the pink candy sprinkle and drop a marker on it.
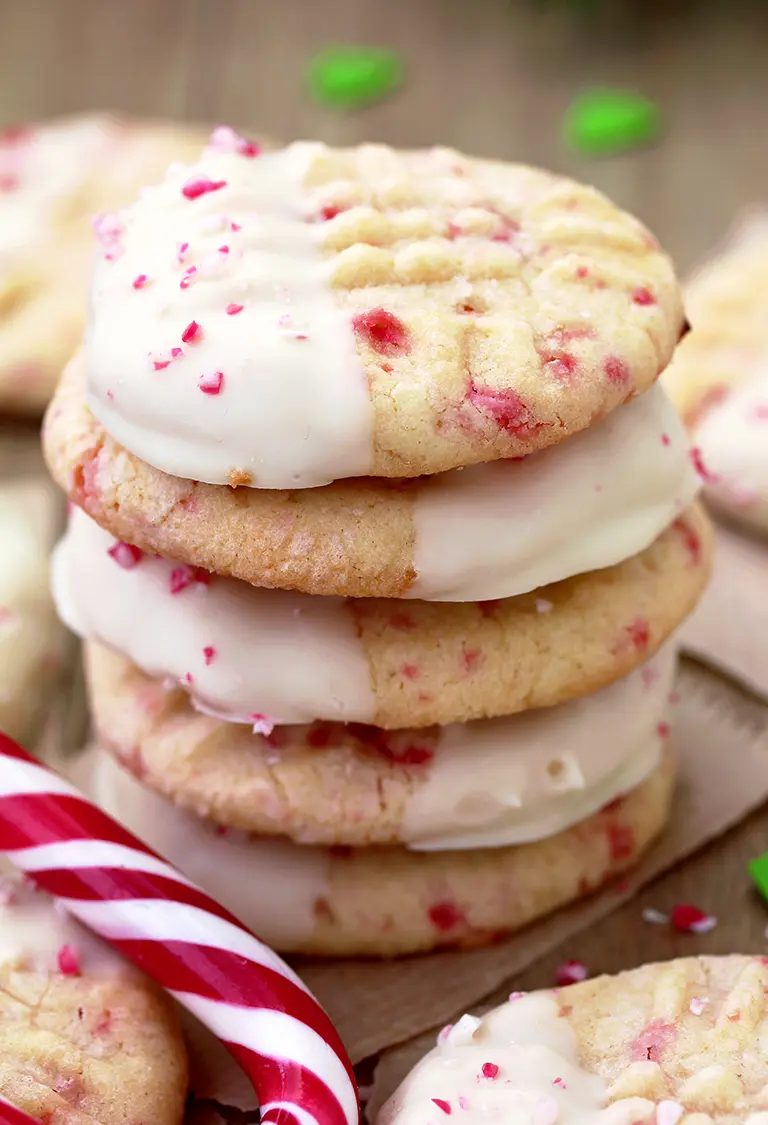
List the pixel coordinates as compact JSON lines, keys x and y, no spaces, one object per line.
{"x":665,"y":439}
{"x":643,"y":296}
{"x":107,"y":229}
{"x":463,"y":1102}
{"x":442,"y":1104}
{"x":211,"y":384}
{"x":201,"y":185}
{"x":192,"y":332}
{"x":445,"y":916}
{"x":188,"y":277}
{"x":141,"y":281}
{"x":68,"y":961}
{"x":570,"y":972}
{"x":224,"y":139}
{"x":233,"y":310}
{"x":181,"y":250}
{"x":515,"y":996}
{"x":489,"y":1070}
{"x":559,"y":1083}
{"x":382,"y":331}
{"x":262,"y":724}
{"x":125,"y":555}
{"x":209,"y":654}
{"x":160,"y":364}
{"x":689,"y":919}
{"x":662,"y":729}
{"x":698,"y":464}
{"x":184,"y":576}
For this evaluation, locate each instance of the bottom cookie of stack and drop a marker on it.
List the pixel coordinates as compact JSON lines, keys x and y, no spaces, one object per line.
{"x":420,"y":839}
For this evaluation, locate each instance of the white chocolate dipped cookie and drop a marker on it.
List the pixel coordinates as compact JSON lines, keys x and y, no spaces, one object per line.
{"x":84,"y":1037}
{"x":387,"y":901}
{"x":53,"y":177}
{"x":288,"y":319}
{"x":270,"y":657}
{"x":488,"y":531}
{"x":674,"y":1043}
{"x":31,"y":638}
{"x":719,"y":377}
{"x":491,"y":783}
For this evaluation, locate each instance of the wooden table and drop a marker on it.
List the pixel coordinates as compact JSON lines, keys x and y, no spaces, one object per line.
{"x":491,"y":77}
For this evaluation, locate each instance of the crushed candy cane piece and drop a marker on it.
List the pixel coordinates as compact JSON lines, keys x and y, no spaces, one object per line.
{"x":209,"y":654}
{"x":201,"y":185}
{"x":233,"y":310}
{"x":489,"y":1070}
{"x":125,"y":554}
{"x":211,"y":384}
{"x":193,"y":331}
{"x":515,"y":996}
{"x":463,"y":1102}
{"x":686,"y":918}
{"x":262,"y":724}
{"x":68,"y":961}
{"x":462,"y":1031}
{"x":443,"y":1033}
{"x":442,"y":1104}
{"x":570,"y":972}
{"x":655,"y":917}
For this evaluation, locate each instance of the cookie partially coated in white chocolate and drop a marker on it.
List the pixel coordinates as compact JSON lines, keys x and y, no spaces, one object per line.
{"x":31,"y":638}
{"x":675,"y":1043}
{"x":719,"y":376}
{"x":387,"y":901}
{"x":288,"y":319}
{"x":491,"y":783}
{"x":83,"y":1036}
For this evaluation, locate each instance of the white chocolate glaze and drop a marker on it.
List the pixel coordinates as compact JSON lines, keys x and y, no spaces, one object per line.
{"x":733,"y":442}
{"x":271,"y":885}
{"x":539,"y":1080}
{"x":34,"y":931}
{"x":508,"y":781}
{"x":242,"y":653}
{"x":269,"y":390}
{"x":505,"y":528}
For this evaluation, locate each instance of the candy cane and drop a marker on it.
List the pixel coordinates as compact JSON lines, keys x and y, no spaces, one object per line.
{"x":10,"y":1115}
{"x":235,"y":985}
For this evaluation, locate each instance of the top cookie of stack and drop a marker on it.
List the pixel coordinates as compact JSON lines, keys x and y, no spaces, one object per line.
{"x":309,"y":316}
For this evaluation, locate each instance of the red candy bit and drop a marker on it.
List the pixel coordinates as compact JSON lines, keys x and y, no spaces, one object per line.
{"x":687,"y":919}
{"x":698,"y":463}
{"x":639,"y":633}
{"x":330,"y":212}
{"x":184,"y":576}
{"x":446,"y":916}
{"x":141,"y":281}
{"x":643,"y":296}
{"x":211,"y":384}
{"x":160,"y":364}
{"x":209,"y":654}
{"x":192,"y":332}
{"x":653,"y":1041}
{"x":691,"y":541}
{"x":233,"y":310}
{"x":662,"y":730}
{"x":126,"y":555}
{"x":108,"y":230}
{"x":442,"y":1104}
{"x":561,"y":1085}
{"x":188,"y":278}
{"x":759,"y":413}
{"x":489,"y":1070}
{"x":382,"y":331}
{"x":616,"y":371}
{"x":570,"y":972}
{"x":471,"y":659}
{"x":68,"y":961}
{"x":507,"y":409}
{"x":201,"y":185}
{"x":410,"y":671}
{"x":621,"y":841}
{"x":181,"y":251}
{"x":665,"y":439}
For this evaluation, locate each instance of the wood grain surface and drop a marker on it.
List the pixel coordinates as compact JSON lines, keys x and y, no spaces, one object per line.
{"x":489,"y":76}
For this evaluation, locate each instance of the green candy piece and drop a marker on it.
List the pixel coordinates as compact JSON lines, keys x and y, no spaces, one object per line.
{"x":350,"y":77}
{"x":600,"y":122}
{"x":758,"y":869}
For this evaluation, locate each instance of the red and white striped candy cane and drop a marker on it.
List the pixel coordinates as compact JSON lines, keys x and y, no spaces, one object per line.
{"x":194,"y":948}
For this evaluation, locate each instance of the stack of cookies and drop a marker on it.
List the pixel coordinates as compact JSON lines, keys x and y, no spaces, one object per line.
{"x":382,"y":530}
